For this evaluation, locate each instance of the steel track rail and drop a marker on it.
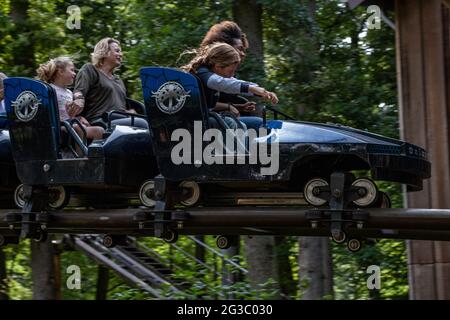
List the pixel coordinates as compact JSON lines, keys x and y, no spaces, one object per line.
{"x":427,"y":224}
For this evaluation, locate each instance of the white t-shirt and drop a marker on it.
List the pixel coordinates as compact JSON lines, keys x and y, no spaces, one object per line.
{"x":63,"y":96}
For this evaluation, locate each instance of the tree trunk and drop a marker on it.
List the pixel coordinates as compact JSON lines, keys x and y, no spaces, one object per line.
{"x":3,"y":277}
{"x":248,"y":14}
{"x":262,"y":263}
{"x":315,"y":268}
{"x":23,"y":48}
{"x":57,"y":274}
{"x":43,"y":270}
{"x":259,"y":250}
{"x":288,"y":286}
{"x":102,"y":283}
{"x":315,"y":261}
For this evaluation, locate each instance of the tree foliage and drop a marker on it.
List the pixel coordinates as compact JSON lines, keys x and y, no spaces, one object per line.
{"x":319,"y":57}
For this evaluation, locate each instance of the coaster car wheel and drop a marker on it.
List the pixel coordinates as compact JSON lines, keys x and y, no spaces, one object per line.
{"x":368,"y":191}
{"x":354,"y":245}
{"x":193,"y":190}
{"x":58,"y":197}
{"x":310,"y":192}
{"x":40,"y":236}
{"x":339,"y":237}
{"x":109,"y":241}
{"x":225,"y":242}
{"x":147,"y":193}
{"x":19,"y":200}
{"x":170,"y":236}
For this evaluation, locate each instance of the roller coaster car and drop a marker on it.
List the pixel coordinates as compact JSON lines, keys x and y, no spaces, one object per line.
{"x":308,"y":153}
{"x":107,"y":172}
{"x":8,"y":177}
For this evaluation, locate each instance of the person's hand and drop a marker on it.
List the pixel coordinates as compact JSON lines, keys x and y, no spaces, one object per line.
{"x":70,"y":109}
{"x":84,"y":122}
{"x":76,"y":106}
{"x":132,"y":111}
{"x":267,"y":95}
{"x":248,"y":106}
{"x":77,"y":95}
{"x":270,"y":96}
{"x":234,"y":111}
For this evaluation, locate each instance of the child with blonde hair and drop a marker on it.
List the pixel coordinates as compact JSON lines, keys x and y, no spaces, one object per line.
{"x":60,"y":73}
{"x":216,"y":65}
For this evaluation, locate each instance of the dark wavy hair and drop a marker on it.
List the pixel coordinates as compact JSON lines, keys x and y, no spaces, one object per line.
{"x":225,"y":31}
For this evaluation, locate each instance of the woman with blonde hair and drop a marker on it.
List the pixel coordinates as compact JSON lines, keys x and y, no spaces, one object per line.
{"x":102,"y":89}
{"x":216,"y":65}
{"x":60,"y":73}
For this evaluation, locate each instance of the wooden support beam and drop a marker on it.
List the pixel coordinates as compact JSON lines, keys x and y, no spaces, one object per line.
{"x":424,"y":115}
{"x":446,"y":3}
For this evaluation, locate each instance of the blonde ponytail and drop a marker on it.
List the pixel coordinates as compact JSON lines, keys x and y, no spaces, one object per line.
{"x":218,"y":53}
{"x":47,"y":71}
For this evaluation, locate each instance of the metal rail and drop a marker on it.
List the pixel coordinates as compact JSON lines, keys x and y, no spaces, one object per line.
{"x":131,"y":278}
{"x":426,"y":224}
{"x":139,"y":265}
{"x":124,"y":263}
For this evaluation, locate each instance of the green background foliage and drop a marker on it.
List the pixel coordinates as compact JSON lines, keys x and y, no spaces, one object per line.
{"x":324,"y":65}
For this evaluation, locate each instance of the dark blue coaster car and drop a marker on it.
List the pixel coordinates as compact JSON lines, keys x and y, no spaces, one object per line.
{"x":8,"y":177}
{"x":287,"y":160}
{"x":308,"y":153}
{"x":107,"y":172}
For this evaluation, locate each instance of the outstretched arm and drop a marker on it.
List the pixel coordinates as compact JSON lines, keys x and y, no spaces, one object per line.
{"x":227,"y":85}
{"x":259,"y":91}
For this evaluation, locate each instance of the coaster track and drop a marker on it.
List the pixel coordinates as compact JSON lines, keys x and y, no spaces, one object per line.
{"x":425,"y":224}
